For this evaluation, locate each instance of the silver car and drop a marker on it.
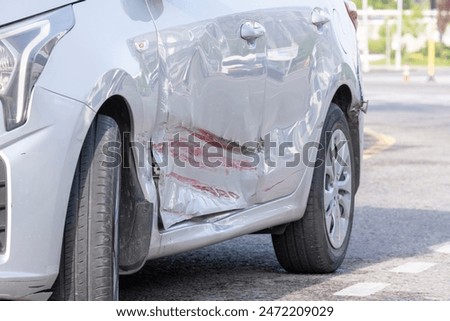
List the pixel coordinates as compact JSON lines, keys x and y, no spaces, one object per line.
{"x":136,"y":129}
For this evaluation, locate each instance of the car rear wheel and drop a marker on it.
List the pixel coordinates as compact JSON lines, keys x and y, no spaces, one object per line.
{"x":318,"y":242}
{"x":89,"y":261}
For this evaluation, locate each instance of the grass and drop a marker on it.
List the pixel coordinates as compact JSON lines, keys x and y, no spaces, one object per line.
{"x":414,"y":59}
{"x":420,"y":58}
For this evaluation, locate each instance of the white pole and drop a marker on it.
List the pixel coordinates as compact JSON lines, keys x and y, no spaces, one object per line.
{"x":398,"y":53}
{"x":365,"y":55}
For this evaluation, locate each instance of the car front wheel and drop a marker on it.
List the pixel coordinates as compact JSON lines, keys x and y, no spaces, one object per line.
{"x":89,"y":261}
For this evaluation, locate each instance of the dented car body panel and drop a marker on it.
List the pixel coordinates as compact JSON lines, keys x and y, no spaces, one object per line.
{"x":238,"y":94}
{"x":223,"y":125}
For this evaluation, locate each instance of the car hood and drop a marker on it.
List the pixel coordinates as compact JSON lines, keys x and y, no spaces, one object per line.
{"x":13,"y":10}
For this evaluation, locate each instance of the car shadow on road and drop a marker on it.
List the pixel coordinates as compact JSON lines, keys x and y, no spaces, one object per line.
{"x":246,"y":268}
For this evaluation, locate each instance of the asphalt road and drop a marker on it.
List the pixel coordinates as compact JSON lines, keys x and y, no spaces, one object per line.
{"x":400,"y":246}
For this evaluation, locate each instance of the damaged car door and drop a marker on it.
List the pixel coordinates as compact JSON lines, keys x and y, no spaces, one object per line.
{"x":213,"y":54}
{"x":296,"y":36}
{"x":243,"y":88}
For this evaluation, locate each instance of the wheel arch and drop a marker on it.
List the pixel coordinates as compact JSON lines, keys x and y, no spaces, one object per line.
{"x":136,"y":213}
{"x":344,"y":99}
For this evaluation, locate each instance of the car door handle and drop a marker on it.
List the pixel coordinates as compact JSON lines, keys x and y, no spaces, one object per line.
{"x":319,"y":17}
{"x":252,"y":30}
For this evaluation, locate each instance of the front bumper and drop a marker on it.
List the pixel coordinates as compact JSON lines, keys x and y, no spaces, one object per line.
{"x":40,"y":159}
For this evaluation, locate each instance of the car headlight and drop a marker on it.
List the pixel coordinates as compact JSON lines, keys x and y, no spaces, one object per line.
{"x":24,"y":50}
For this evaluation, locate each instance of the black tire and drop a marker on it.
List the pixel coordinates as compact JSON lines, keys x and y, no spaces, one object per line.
{"x":89,"y":261}
{"x":306,"y":245}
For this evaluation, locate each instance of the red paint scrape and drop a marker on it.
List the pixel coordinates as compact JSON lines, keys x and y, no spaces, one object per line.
{"x":205,"y":188}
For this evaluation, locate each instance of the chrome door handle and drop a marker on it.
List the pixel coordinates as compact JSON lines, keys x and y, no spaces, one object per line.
{"x":251,"y":31}
{"x":319,"y":17}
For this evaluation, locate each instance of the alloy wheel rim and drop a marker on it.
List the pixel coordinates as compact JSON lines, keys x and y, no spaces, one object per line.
{"x":337,"y":189}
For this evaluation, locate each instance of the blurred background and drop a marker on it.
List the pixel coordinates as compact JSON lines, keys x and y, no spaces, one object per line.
{"x":394,"y":34}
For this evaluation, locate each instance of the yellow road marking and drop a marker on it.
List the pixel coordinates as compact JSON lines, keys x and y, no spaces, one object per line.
{"x":382,"y":143}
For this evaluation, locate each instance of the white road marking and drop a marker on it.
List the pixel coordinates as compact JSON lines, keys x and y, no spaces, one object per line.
{"x":413,"y":267}
{"x":444,"y":249}
{"x":382,"y":143}
{"x":362,"y":289}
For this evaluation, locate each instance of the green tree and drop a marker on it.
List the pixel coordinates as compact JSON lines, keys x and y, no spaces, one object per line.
{"x":412,"y":24}
{"x":386,"y":4}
